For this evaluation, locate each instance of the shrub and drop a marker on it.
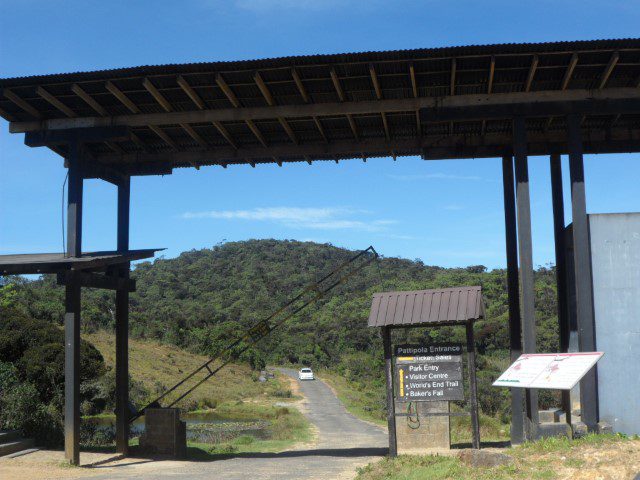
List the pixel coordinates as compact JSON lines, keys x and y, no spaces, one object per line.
{"x":21,"y":409}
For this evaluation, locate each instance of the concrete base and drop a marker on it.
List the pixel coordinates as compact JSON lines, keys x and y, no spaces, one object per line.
{"x":423,"y":434}
{"x":552,"y":429}
{"x":579,"y":429}
{"x":550,"y":416}
{"x":484,"y":458}
{"x":604,"y":428}
{"x":164,"y":433}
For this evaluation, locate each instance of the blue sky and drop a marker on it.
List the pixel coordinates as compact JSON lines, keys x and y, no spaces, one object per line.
{"x":446,"y":213}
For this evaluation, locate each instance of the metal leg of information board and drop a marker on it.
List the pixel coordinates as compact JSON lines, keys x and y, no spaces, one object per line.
{"x":471,"y":360}
{"x":391,"y":409}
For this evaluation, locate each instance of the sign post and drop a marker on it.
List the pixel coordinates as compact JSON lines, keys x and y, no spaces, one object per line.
{"x":433,"y":372}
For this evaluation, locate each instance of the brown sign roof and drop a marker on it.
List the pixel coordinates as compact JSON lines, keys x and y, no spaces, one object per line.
{"x":441,"y":306}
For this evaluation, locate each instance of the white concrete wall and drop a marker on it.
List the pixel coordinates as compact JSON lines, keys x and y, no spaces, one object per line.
{"x":615,"y":257}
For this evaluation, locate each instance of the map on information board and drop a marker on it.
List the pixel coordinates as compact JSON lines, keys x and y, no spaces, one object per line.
{"x":560,"y":371}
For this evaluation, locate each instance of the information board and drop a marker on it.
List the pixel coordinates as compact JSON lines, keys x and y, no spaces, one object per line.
{"x":560,"y":371}
{"x":429,"y":372}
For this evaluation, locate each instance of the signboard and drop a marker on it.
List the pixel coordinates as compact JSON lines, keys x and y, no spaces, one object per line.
{"x":560,"y":371}
{"x":429,"y":372}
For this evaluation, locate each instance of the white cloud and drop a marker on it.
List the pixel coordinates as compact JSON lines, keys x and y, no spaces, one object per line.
{"x":453,"y":207}
{"x":327,"y":218}
{"x":396,"y":236}
{"x":435,"y":176}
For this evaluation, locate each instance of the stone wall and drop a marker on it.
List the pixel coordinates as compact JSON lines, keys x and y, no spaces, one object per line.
{"x":428,"y":434}
{"x":164,"y":433}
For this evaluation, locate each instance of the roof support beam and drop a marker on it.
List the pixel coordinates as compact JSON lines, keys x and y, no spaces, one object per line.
{"x":133,"y":108}
{"x":116,"y":92}
{"x":165,"y":138}
{"x":300,"y":85}
{"x":569,"y":72}
{"x":164,"y":103}
{"x":321,"y":129}
{"x":532,"y":73}
{"x":55,"y":102}
{"x":536,"y":109}
{"x":195,"y":98}
{"x":254,"y":129}
{"x":609,"y":69}
{"x":231,"y":96}
{"x":567,"y":100}
{"x":8,"y":94}
{"x":225,"y":133}
{"x":307,"y":99}
{"x":354,"y":127}
{"x":566,"y":79}
{"x":414,"y":88}
{"x":155,"y":93}
{"x":266,"y":93}
{"x":337,"y":85}
{"x":452,"y":87}
{"x":376,"y":86}
{"x":88,"y":99}
{"x":342,"y":97}
{"x":191,"y":93}
{"x":492,"y":145}
{"x":492,"y":71}
{"x":45,"y":138}
{"x":7,"y":115}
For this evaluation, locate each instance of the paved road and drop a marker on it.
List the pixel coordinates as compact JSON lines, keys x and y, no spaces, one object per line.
{"x":344,"y":443}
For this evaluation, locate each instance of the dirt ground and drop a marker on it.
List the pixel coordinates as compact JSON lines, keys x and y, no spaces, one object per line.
{"x":612,"y":461}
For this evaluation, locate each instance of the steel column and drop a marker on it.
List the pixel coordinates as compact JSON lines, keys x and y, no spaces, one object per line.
{"x":515,"y":328}
{"x":391,"y":408}
{"x":561,"y":266}
{"x":122,"y":325}
{"x":473,"y":389}
{"x":72,"y":311}
{"x":582,"y":266}
{"x":525,"y":250}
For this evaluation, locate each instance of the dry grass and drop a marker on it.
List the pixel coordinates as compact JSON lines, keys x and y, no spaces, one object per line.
{"x":159,"y":366}
{"x":603,"y":457}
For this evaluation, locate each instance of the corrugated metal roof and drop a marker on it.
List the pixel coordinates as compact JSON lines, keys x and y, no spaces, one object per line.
{"x":351,"y":57}
{"x":427,"y":307}
{"x":318,"y":83}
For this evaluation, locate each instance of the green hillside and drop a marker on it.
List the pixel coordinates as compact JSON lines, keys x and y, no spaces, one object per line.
{"x":202,"y":298}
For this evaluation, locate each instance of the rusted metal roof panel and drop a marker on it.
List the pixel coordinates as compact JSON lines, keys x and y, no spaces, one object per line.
{"x":427,"y":307}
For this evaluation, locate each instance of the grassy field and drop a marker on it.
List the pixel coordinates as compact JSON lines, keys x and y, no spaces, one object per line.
{"x":594,"y":456}
{"x":158,"y":366}
{"x":234,"y":394}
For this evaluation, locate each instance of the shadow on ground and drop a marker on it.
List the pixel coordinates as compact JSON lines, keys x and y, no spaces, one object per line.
{"x":194,"y":453}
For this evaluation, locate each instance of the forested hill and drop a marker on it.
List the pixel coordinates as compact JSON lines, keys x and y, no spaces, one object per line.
{"x":202,"y":297}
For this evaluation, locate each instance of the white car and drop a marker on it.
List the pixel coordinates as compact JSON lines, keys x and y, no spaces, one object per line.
{"x":306,"y":374}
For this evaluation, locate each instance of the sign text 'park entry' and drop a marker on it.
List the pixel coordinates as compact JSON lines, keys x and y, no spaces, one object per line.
{"x":429,"y":372}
